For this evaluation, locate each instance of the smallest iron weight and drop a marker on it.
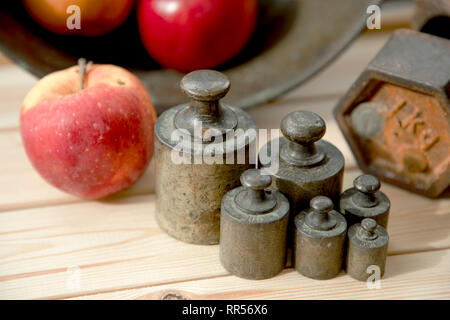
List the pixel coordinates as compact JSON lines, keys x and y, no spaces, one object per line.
{"x":366,"y":250}
{"x":365,"y":200}
{"x":253,"y":228}
{"x":319,"y":240}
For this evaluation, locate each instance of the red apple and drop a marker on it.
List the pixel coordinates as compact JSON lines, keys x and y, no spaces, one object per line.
{"x":97,"y":17}
{"x":195,"y":34}
{"x":89,"y":142}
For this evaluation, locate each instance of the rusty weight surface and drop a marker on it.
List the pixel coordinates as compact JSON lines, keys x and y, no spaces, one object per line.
{"x":433,"y":17}
{"x":294,"y":40}
{"x":366,"y":250}
{"x":396,"y":116}
{"x":189,"y":191}
{"x":253,"y":228}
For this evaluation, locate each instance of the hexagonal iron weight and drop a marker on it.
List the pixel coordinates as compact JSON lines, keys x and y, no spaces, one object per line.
{"x":396,"y":116}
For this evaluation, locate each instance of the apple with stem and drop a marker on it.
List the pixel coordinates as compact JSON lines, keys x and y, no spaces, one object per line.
{"x":88,"y":130}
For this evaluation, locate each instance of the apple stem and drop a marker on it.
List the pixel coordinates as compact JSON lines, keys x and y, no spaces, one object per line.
{"x":83,"y":68}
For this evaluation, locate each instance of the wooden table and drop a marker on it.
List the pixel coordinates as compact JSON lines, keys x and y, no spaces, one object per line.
{"x":53,"y":245}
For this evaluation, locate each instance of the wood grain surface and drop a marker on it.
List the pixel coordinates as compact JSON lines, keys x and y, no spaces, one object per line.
{"x":53,"y":245}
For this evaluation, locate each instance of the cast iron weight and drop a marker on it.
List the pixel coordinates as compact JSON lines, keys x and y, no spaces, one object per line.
{"x":319,"y":240}
{"x":253,"y":228}
{"x":366,"y":250}
{"x":365,"y":200}
{"x":189,"y":191}
{"x":308,"y":166}
{"x":395,"y":116}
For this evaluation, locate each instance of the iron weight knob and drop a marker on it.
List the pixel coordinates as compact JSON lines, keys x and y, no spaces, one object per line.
{"x":365,"y":200}
{"x":302,"y":129}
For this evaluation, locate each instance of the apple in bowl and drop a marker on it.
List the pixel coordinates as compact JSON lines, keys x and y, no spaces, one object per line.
{"x":90,"y":138}
{"x":188,"y":35}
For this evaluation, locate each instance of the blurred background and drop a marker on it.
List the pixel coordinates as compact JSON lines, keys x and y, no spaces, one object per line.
{"x":290,"y":41}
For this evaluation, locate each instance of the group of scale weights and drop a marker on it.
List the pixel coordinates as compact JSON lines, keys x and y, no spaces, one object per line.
{"x":259,"y":216}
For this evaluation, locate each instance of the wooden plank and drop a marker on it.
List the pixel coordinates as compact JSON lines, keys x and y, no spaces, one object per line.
{"x":411,"y":276}
{"x":22,"y":187}
{"x":14,"y":85}
{"x":118,"y":245}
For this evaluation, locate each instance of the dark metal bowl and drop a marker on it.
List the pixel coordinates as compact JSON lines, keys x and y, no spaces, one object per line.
{"x":293,"y":41}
